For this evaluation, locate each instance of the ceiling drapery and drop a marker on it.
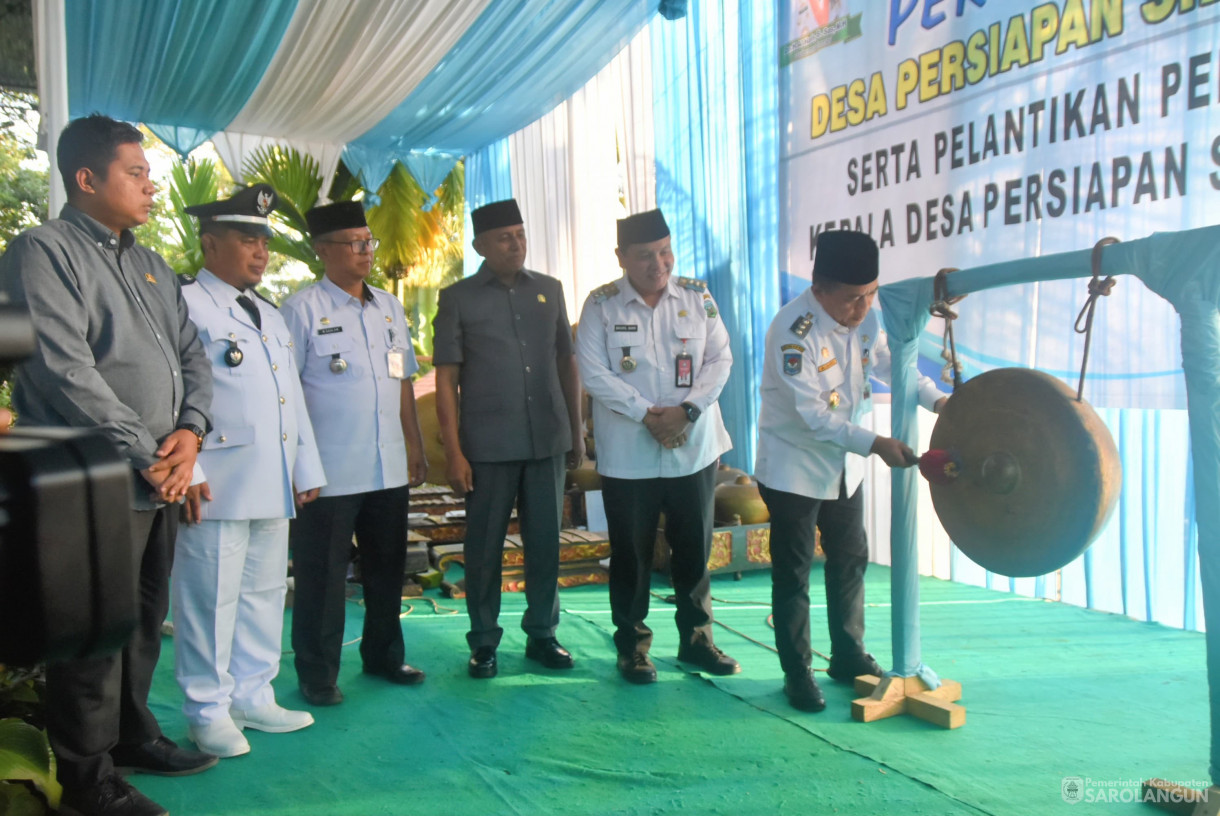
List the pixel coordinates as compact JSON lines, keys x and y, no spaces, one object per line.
{"x":423,"y":82}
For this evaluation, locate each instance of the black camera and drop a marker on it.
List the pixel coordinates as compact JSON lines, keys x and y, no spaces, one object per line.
{"x":68,"y":585}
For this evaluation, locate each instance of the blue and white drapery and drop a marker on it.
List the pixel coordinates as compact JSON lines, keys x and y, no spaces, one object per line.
{"x":688,"y":110}
{"x":424,"y":82}
{"x":581,"y":167}
{"x":716,"y":86}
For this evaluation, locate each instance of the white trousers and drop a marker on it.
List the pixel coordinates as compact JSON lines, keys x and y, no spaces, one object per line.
{"x":228,"y":587}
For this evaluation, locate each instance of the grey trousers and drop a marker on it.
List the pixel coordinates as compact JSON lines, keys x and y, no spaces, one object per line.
{"x":536,"y":485}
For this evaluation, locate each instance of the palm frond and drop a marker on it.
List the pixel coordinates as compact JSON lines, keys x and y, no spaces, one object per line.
{"x":196,"y":182}
{"x":295,"y":177}
{"x":297,"y":181}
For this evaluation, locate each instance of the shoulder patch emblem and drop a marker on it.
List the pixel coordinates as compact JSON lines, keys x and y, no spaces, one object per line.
{"x":792,"y":361}
{"x":692,"y":283}
{"x":604,"y":292}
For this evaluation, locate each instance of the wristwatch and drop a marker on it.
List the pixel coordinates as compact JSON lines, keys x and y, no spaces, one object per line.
{"x":197,"y":431}
{"x":692,"y":413}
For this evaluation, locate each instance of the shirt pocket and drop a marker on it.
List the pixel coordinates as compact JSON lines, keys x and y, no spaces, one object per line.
{"x":229,"y":437}
{"x":328,"y":348}
{"x":328,"y":345}
{"x":831,"y":377}
{"x":219,"y":340}
{"x":623,"y":344}
{"x":690,"y":336}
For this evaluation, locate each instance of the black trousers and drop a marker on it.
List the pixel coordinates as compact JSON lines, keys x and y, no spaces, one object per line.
{"x":536,"y":485}
{"x":633,"y":507}
{"x":320,"y":538}
{"x":841,"y":522}
{"x":95,"y":704}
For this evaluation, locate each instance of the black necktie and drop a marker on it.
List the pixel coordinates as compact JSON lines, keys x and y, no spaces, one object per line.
{"x":251,"y":309}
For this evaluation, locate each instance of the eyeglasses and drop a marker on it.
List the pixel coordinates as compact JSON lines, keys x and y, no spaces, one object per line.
{"x":359,"y":247}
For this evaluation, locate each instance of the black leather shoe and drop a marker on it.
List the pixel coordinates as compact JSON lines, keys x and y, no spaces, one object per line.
{"x":802,"y":691}
{"x":113,"y":796}
{"x":482,"y":663}
{"x":847,"y":669}
{"x":162,"y":757}
{"x":708,"y":657}
{"x":548,"y":652}
{"x":321,"y":695}
{"x":403,"y":675}
{"x":637,"y":668}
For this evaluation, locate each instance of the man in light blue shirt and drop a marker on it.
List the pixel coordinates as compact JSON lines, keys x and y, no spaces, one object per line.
{"x":354,"y":354}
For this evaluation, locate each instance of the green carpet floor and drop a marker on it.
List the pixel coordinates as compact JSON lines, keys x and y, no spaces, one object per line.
{"x":1051,"y":692}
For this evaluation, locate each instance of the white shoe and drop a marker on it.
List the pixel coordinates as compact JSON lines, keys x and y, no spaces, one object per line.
{"x":272,"y":718}
{"x":221,"y":738}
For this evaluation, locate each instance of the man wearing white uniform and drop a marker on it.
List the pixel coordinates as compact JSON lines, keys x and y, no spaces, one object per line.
{"x":654,"y":355}
{"x":260,"y":461}
{"x":820,"y":351}
{"x":354,"y":354}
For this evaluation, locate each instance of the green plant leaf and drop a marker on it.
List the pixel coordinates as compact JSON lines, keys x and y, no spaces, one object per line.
{"x":195,"y":182}
{"x":18,"y":800}
{"x":297,"y":180}
{"x":26,"y":754}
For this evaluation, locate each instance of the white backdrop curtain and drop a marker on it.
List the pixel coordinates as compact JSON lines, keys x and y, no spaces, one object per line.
{"x":583,"y":166}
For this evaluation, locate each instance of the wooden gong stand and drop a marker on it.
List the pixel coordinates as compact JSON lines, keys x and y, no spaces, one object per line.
{"x":890,"y":696}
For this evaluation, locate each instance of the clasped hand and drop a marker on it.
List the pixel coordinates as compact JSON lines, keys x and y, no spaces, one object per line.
{"x":667,"y":425}
{"x":170,"y":476}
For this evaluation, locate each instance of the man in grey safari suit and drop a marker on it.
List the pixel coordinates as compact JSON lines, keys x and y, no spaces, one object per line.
{"x":503,"y":347}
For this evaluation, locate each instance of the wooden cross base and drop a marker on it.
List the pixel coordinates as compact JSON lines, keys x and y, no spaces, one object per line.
{"x":890,"y":696}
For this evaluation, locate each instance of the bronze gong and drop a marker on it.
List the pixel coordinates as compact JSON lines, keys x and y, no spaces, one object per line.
{"x":1030,"y":473}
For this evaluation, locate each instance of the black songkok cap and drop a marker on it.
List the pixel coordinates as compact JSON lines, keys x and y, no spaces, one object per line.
{"x":334,"y":217}
{"x":245,"y":210}
{"x":497,"y":214}
{"x":642,"y":228}
{"x":845,"y":256}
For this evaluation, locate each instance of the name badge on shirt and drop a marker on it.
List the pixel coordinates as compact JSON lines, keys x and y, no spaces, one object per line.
{"x":396,"y":361}
{"x":331,"y":330}
{"x":684,"y":371}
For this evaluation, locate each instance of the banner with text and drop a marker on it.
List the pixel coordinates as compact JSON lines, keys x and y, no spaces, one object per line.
{"x":960,"y":133}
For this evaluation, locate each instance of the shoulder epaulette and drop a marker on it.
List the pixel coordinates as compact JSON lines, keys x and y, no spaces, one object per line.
{"x":605,"y":291}
{"x":692,"y":283}
{"x":187,"y":279}
{"x":265,"y":299}
{"x":802,"y":325}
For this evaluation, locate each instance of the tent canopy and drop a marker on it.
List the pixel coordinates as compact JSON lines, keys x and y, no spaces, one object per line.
{"x":423,"y":82}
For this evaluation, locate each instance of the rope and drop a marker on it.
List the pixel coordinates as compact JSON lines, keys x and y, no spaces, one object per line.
{"x":940,"y":308}
{"x":1097,"y":288}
